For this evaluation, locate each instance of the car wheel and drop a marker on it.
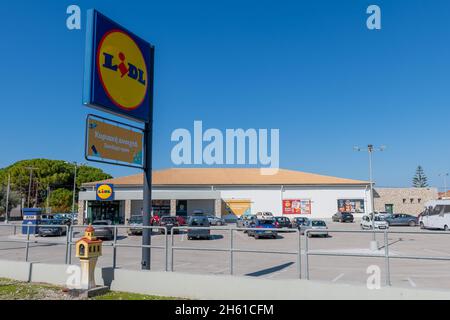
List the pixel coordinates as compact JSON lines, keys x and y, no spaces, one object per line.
{"x":340,"y":220}
{"x":445,"y":228}
{"x":422,"y":226}
{"x":412,"y":224}
{"x":256,"y":236}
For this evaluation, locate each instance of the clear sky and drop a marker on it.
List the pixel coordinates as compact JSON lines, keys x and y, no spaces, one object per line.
{"x":309,"y":68}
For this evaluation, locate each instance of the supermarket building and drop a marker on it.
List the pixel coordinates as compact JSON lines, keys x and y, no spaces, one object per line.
{"x":227,"y":193}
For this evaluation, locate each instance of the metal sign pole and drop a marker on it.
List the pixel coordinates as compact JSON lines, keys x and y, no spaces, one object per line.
{"x":147,"y":207}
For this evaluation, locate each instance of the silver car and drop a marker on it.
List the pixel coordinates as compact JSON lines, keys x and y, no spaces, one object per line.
{"x":319,"y":226}
{"x":216,"y":221}
{"x":103,"y":229}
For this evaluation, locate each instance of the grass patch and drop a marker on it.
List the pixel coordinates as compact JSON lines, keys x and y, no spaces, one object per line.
{"x":16,"y":290}
{"x":117,"y":295}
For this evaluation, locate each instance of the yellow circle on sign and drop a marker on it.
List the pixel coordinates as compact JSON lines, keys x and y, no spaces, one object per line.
{"x":104,"y":192}
{"x":122,"y":70}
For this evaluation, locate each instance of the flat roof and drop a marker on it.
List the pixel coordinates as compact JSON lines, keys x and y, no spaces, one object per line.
{"x":228,"y":176}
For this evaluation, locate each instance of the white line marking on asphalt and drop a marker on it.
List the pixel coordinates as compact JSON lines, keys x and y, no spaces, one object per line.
{"x":337,"y":278}
{"x":412,"y":283}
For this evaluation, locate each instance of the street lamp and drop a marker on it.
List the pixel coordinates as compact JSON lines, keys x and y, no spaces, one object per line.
{"x":445,"y":175}
{"x":76,"y":165}
{"x":29,"y":185}
{"x":370,"y":149}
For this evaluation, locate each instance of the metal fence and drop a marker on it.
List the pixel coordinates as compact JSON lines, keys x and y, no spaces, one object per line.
{"x":170,"y":248}
{"x":386,"y":255}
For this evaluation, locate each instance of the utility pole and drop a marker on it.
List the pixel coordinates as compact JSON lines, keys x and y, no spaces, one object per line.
{"x":7,"y":198}
{"x":74,"y":188}
{"x":445,"y":175}
{"x":370,"y":149}
{"x":47,"y":206}
{"x":29,"y":185}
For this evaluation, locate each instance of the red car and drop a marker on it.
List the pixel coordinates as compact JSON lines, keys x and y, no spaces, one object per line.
{"x":156,"y":220}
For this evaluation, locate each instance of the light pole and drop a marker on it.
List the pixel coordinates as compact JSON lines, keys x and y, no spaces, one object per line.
{"x":7,"y":198}
{"x":29,"y":185}
{"x":75,"y":164}
{"x":445,"y":175}
{"x":370,"y":149}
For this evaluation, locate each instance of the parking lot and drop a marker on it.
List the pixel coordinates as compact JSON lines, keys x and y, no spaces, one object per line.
{"x":342,"y":269}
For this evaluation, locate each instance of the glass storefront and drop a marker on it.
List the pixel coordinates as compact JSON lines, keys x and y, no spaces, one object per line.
{"x":105,"y":210}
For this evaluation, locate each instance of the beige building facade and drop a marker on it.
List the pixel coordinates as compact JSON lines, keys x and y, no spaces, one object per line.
{"x":403,"y":200}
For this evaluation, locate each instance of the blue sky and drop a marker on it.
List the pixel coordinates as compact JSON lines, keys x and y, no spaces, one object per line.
{"x":310,"y":68}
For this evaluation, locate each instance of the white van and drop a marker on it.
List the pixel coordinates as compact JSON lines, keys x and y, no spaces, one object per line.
{"x":436,"y":215}
{"x":264,"y":215}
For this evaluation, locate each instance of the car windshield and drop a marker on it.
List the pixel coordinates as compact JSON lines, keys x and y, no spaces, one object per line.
{"x":136,"y":219}
{"x":266,"y":222}
{"x":378,"y":218}
{"x":169,"y":219}
{"x":318,"y":223}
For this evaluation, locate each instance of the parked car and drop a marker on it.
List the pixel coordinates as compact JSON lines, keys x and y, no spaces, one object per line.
{"x":379,"y":223}
{"x":243,"y":221}
{"x":262,"y":225}
{"x":169,"y":222}
{"x":382,"y":214}
{"x":154,"y":220}
{"x":51,"y":227}
{"x":103,"y":229}
{"x":283,"y":222}
{"x":264,"y":215}
{"x":342,"y":217}
{"x":64,"y":218}
{"x":181,"y":221}
{"x":135,"y":225}
{"x":216,"y":221}
{"x":402,"y":219}
{"x":198,"y":221}
{"x":198,"y":213}
{"x":317,"y":225}
{"x":299,"y":221}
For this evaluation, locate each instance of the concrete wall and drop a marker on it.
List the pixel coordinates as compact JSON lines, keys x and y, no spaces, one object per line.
{"x":194,"y":286}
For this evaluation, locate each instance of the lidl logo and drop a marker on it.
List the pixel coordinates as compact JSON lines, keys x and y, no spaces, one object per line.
{"x":105,"y":192}
{"x":122,"y":69}
{"x":118,"y":69}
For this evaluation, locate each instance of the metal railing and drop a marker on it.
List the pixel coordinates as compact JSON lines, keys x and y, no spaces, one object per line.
{"x":231,"y":249}
{"x":28,"y":241}
{"x":386,"y":255}
{"x":170,"y":248}
{"x":114,"y":244}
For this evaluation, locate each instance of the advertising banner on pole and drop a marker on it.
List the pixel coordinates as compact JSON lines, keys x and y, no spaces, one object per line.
{"x":108,"y":141}
{"x":118,"y":69}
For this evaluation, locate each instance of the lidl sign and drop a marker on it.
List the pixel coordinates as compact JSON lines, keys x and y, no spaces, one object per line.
{"x":118,"y":69}
{"x":104,"y":192}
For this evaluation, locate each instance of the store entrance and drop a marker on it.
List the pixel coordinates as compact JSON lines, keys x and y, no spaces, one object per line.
{"x":105,"y":210}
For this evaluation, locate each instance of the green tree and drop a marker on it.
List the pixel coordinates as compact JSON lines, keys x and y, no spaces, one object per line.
{"x":56,"y":174}
{"x":420,"y":180}
{"x":13,"y":200}
{"x":61,"y":200}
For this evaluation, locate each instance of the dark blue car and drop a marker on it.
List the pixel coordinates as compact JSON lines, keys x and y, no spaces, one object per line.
{"x":262,"y":225}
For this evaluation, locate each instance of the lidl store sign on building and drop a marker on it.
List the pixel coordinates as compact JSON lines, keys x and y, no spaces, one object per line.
{"x":105,"y":192}
{"x":118,"y":69}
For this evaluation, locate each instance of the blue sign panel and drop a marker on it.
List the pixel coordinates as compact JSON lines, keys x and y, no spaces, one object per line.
{"x":118,"y":69}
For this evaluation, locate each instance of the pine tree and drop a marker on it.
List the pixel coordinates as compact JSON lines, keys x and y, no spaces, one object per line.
{"x":420,"y":179}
